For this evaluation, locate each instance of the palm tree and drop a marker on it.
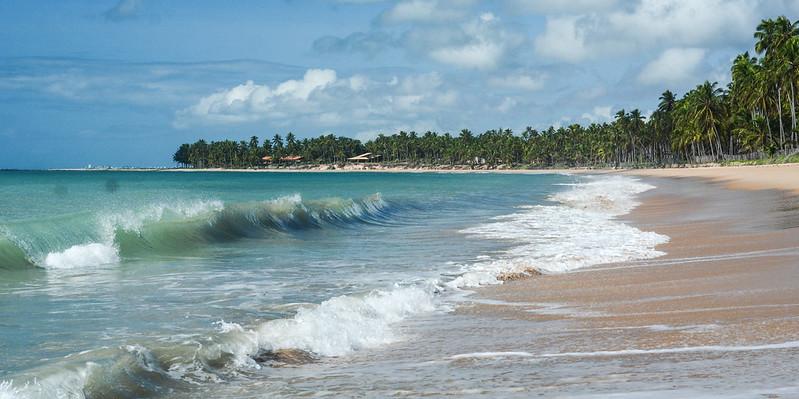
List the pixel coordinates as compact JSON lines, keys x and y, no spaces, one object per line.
{"x":790,"y":70}
{"x":277,"y":146}
{"x":291,"y":144}
{"x":773,"y":37}
{"x":707,"y":111}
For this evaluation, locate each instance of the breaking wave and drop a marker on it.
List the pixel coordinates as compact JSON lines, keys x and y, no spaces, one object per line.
{"x":164,"y":229}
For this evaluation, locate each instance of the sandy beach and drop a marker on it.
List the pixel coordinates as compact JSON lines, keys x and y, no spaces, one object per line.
{"x":729,"y":283}
{"x":764,"y":177}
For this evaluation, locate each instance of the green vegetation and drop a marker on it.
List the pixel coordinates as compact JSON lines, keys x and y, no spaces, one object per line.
{"x":753,"y":119}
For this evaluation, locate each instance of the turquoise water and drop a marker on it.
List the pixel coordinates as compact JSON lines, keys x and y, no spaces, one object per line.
{"x":129,"y":284}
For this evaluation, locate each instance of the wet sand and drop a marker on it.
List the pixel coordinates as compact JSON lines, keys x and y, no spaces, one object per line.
{"x":728,"y":288}
{"x":731,"y":271}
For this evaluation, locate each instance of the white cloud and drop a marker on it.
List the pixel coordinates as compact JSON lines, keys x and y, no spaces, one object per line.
{"x":314,"y":79}
{"x":518,"y":81}
{"x":320,"y":98}
{"x":562,"y":40}
{"x":480,"y":55}
{"x":689,"y":22}
{"x":673,"y":66}
{"x":481,"y":43}
{"x":249,"y":101}
{"x":647,"y":24}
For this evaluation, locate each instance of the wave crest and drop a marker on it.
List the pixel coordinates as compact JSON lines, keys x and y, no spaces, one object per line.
{"x":174,"y":228}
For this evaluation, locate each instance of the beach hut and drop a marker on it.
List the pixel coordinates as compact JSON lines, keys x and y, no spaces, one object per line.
{"x":266,"y":159}
{"x":365,"y":157}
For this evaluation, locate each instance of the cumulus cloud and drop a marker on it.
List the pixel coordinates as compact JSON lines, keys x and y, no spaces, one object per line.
{"x":563,"y":39}
{"x":321,"y":98}
{"x":480,"y":43}
{"x":469,"y":41}
{"x":249,"y":101}
{"x":673,"y":66}
{"x":646,"y":24}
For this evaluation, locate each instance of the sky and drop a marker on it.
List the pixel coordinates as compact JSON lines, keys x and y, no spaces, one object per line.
{"x":124,"y":82}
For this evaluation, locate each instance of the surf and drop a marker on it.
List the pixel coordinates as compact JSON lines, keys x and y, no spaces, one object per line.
{"x":177,"y":228}
{"x":580,"y":217}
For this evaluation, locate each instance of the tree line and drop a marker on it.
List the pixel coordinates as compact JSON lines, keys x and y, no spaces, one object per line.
{"x":753,"y":116}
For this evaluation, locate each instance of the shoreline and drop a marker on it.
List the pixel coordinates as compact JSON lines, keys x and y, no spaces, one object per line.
{"x":710,"y":171}
{"x":728,"y":283}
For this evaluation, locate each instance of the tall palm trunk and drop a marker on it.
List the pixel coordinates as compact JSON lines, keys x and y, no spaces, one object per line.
{"x":779,"y":115}
{"x":768,"y":121}
{"x":793,"y":114}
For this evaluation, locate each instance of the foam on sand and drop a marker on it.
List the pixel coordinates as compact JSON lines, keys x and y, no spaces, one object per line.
{"x":579,"y":230}
{"x":687,"y":349}
{"x":490,"y":355}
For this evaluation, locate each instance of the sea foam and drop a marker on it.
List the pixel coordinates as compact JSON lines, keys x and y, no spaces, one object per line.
{"x":333,"y":328}
{"x":93,"y":254}
{"x":578,"y":230}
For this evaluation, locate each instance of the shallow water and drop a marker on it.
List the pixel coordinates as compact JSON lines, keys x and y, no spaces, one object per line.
{"x":166,"y":284}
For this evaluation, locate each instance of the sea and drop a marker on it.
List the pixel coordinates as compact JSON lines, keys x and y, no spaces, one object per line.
{"x":238,"y":284}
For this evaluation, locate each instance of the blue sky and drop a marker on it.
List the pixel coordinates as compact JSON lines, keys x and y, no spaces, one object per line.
{"x":124,"y":82}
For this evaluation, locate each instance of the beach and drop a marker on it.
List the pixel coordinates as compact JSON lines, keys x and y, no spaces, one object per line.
{"x":719,"y":313}
{"x":716,"y":316}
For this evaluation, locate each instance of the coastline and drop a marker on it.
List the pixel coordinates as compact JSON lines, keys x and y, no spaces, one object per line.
{"x":726,"y":288}
{"x":749,"y":179}
{"x":327,"y":169}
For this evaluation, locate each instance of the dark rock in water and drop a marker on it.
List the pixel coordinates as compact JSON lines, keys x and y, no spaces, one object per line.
{"x":279,"y":357}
